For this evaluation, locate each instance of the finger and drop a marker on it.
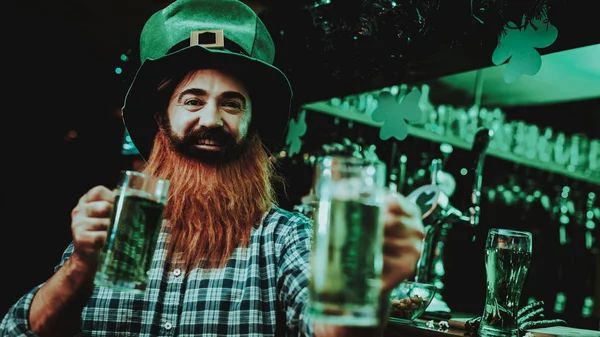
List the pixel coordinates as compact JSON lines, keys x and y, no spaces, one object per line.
{"x":98,"y":209}
{"x":391,"y":221}
{"x":395,"y":226}
{"x":404,"y":266}
{"x":91,"y":225}
{"x":398,"y":204}
{"x":403,"y":226}
{"x":99,"y":224}
{"x":94,"y":240}
{"x":98,"y":193}
{"x":400,"y":247}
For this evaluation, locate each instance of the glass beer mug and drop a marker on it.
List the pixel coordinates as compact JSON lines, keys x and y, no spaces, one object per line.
{"x":347,"y":258}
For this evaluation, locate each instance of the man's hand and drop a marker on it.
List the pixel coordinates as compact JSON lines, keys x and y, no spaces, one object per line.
{"x":90,"y":221}
{"x":403,"y":239}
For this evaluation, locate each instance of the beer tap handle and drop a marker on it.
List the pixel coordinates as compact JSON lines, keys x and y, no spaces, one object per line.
{"x":394,"y":169}
{"x":402,"y":174}
{"x":436,"y":166}
{"x":590,"y":225}
{"x":564,"y":215}
{"x":481,"y":142}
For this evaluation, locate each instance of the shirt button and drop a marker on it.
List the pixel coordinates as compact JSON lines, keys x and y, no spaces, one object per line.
{"x":177,"y":272}
{"x":168,"y":326}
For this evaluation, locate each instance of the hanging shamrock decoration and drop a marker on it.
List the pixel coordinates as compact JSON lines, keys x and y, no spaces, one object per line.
{"x":395,"y":115}
{"x":296,"y":130}
{"x":518,"y":46}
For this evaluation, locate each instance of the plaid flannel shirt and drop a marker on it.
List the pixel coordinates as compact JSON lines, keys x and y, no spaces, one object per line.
{"x":262,"y":291}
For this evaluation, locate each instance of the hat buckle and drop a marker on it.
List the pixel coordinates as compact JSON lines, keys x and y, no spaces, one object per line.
{"x":208,"y":38}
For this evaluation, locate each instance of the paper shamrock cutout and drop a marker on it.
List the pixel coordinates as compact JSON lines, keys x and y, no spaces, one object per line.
{"x":295,"y":131}
{"x":518,"y":47}
{"x":395,"y":115}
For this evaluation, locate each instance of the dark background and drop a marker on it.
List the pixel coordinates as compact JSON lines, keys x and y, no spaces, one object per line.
{"x":62,"y":131}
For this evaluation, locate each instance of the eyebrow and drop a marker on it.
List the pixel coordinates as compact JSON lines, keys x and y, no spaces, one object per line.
{"x":202,"y":92}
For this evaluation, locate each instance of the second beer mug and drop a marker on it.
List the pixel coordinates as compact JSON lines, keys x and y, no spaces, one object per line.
{"x":347,"y":258}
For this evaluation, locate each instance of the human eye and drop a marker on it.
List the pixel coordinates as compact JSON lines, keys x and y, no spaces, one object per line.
{"x":232,"y":106}
{"x":193,"y":102}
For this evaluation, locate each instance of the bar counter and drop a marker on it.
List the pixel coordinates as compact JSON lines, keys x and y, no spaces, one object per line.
{"x":456,"y":328}
{"x":420,"y":329}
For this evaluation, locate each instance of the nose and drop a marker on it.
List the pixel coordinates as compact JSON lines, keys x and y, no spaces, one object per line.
{"x":209,"y":116}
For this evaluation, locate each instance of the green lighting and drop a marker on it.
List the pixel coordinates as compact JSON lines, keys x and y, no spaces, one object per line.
{"x":118,"y":70}
{"x":124,"y":58}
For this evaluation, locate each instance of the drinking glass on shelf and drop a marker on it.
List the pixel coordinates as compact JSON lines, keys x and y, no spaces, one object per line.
{"x":561,"y":149}
{"x":545,"y":146}
{"x":593,"y":166}
{"x":507,"y":260}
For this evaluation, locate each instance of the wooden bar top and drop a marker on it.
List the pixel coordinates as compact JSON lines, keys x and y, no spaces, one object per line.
{"x":419,"y":328}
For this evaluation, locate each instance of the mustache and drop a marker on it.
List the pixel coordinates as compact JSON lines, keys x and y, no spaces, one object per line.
{"x":217,"y":135}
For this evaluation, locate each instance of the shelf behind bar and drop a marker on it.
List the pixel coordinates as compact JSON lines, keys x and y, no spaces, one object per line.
{"x":353,"y":115}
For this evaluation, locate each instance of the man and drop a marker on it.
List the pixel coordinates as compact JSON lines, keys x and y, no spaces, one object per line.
{"x":229,"y":262}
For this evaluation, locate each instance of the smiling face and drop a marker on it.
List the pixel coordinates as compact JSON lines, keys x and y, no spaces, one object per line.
{"x":209,"y":115}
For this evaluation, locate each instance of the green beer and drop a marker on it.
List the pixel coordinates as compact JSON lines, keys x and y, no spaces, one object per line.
{"x":346,"y":259}
{"x":506,"y":271}
{"x":132,"y":236}
{"x":346,"y":262}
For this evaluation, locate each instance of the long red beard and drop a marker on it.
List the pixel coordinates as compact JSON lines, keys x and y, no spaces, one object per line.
{"x":211,"y":208}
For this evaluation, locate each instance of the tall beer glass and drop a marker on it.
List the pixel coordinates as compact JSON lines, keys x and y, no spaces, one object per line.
{"x":347,"y":257}
{"x":133,"y":232}
{"x":507,"y":260}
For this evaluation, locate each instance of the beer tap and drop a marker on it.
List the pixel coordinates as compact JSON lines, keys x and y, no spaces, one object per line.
{"x":480,"y":144}
{"x":439,"y":216}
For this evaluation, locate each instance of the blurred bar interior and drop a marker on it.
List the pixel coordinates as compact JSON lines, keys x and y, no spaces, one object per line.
{"x":542,"y":172}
